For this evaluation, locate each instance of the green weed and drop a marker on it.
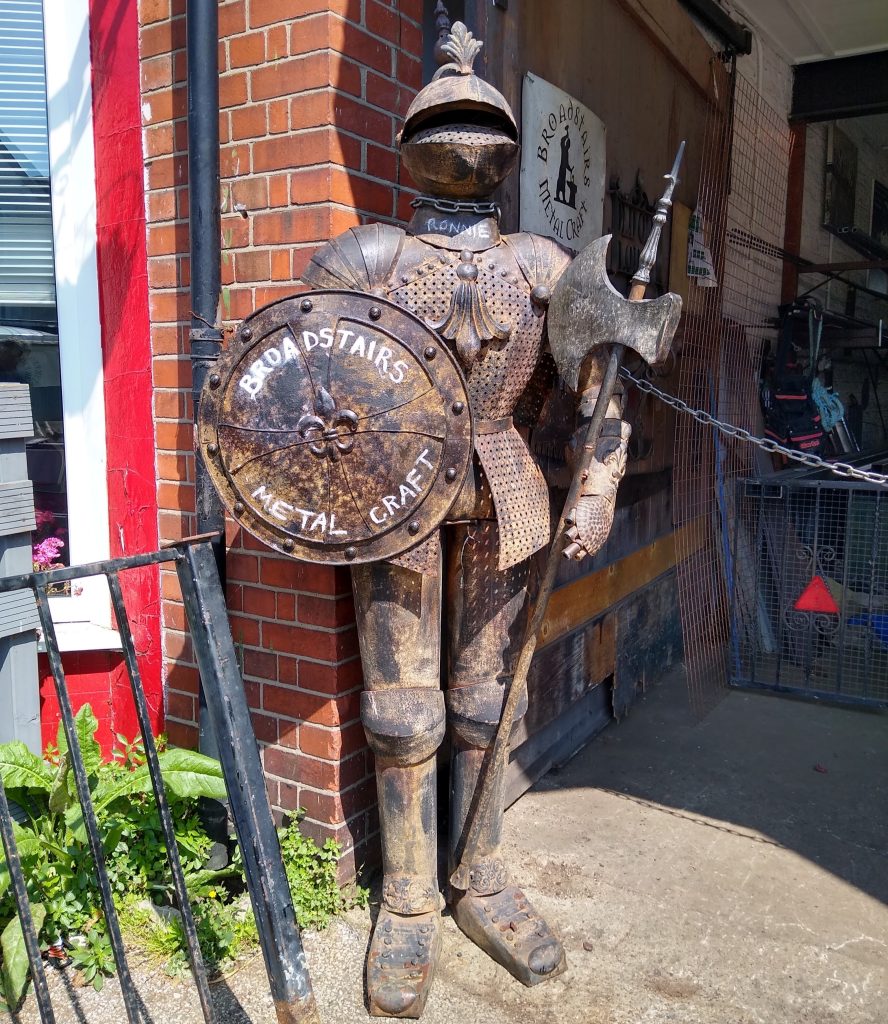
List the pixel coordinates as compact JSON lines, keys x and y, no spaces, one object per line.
{"x":61,"y":880}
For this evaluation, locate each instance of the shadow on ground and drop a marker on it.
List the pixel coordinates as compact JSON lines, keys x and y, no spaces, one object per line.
{"x":810,"y":778}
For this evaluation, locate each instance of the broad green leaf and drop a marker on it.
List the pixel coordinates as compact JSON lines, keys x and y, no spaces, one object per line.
{"x":28,"y":845}
{"x":112,"y":839}
{"x":15,"y":955}
{"x":85,"y":726}
{"x":75,"y":823}
{"x":190,"y":774}
{"x":60,"y":794}
{"x":109,"y":790}
{"x":185,"y":773}
{"x":20,"y":769}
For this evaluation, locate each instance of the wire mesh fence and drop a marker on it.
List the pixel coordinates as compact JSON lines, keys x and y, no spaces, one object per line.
{"x":742,"y":206}
{"x":809,"y":592}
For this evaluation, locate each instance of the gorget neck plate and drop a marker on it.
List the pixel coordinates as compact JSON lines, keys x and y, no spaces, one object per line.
{"x":457,"y":231}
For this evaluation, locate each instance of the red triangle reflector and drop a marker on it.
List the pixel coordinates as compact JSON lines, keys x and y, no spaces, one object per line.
{"x":817,"y":598}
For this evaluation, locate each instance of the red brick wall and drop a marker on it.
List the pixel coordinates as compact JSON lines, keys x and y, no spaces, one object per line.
{"x":311,"y":97}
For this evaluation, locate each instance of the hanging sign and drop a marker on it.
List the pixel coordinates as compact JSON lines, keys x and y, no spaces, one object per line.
{"x":562,"y":165}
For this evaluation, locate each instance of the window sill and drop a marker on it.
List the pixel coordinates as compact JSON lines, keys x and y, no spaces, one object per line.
{"x":83,"y":636}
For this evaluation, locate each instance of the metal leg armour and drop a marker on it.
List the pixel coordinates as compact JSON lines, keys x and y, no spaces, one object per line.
{"x":487,"y":608}
{"x":403,"y":715}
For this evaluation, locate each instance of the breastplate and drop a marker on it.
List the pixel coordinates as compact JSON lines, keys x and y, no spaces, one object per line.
{"x":425,"y":281}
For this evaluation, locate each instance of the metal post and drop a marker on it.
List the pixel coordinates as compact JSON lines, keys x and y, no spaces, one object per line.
{"x":205,"y":338}
{"x":26,"y":920}
{"x":127,"y":989}
{"x":163,"y":808}
{"x":239,"y":754}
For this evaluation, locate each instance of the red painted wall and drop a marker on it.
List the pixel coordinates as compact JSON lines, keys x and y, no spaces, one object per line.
{"x":126,"y":351}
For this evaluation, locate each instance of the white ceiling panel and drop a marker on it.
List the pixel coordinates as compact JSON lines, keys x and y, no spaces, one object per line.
{"x":808,"y":30}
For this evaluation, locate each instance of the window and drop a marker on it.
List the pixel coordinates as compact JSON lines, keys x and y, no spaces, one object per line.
{"x":49,"y":312}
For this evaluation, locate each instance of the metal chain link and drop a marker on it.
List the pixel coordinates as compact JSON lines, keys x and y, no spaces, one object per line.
{"x":701,"y":416}
{"x":456,"y":206}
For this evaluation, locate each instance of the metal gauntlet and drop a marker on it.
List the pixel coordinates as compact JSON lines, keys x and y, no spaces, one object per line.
{"x":593,"y":517}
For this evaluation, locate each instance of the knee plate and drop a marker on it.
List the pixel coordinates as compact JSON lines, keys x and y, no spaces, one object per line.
{"x":404,"y":725}
{"x":474,"y":711}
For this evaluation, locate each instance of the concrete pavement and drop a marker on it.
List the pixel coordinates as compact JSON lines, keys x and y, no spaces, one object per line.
{"x":733,"y":871}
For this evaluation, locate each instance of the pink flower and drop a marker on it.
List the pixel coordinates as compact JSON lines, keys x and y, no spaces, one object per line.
{"x":46,"y":553}
{"x":44,"y":517}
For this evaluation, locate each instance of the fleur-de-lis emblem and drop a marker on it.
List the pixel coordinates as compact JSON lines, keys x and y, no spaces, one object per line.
{"x":329,"y":430}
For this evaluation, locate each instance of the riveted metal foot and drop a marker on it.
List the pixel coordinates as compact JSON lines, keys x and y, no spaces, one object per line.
{"x":401,"y":963}
{"x":508,"y":928}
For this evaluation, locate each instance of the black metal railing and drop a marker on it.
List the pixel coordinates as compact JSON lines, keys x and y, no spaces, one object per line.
{"x":809,"y":589}
{"x":242,"y":769}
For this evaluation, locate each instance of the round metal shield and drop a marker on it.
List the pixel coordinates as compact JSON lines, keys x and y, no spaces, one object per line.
{"x":336,"y":427}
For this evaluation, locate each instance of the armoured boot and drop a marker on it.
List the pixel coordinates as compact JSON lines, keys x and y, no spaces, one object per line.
{"x":495,"y":915}
{"x":405,"y":728}
{"x":404,"y":719}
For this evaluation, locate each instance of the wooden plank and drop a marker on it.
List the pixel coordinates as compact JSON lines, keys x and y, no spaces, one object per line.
{"x":20,"y":702}
{"x":13,"y":461}
{"x":671,"y":28}
{"x":649,"y":641}
{"x":18,"y":613}
{"x":17,"y":507}
{"x":15,"y":411}
{"x":19,"y":690}
{"x":587,"y":598}
{"x":795,"y":192}
{"x":563,"y":672}
{"x":679,"y":282}
{"x":558,"y":742}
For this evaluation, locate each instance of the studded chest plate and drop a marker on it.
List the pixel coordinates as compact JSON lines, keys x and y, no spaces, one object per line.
{"x":481,"y":305}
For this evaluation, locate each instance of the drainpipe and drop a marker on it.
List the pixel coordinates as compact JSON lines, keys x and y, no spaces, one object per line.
{"x":205,"y":338}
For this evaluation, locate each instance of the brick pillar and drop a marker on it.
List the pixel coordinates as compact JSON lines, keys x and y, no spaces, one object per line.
{"x":311,"y":97}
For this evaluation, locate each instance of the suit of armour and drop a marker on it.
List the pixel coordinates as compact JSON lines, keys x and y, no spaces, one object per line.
{"x":486,"y":295}
{"x":477,"y":564}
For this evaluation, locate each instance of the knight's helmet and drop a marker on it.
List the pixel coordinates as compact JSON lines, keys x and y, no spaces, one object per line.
{"x":460,"y":139}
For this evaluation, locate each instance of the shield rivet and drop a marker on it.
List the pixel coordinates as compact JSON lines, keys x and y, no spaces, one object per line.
{"x":450,"y":475}
{"x":288,"y":544}
{"x":212,"y":448}
{"x":350,"y":553}
{"x":458,"y":408}
{"x":413,"y":527}
{"x":306,"y":305}
{"x":375,"y":312}
{"x":238,"y":507}
{"x":429,"y":353}
{"x":215,"y":380}
{"x":246,"y":334}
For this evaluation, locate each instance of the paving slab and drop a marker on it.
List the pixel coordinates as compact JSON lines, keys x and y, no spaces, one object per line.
{"x":732,"y":871}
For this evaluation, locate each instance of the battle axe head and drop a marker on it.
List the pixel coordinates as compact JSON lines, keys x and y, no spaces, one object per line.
{"x":587,"y":311}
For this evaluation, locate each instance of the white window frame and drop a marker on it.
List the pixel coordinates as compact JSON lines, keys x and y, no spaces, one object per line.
{"x":73,"y":189}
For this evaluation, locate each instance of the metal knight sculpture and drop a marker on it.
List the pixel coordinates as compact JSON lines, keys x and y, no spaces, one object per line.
{"x":372,"y":422}
{"x":487,"y":295}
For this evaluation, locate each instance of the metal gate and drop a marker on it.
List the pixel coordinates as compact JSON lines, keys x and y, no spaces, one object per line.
{"x":809,"y":588}
{"x":239,"y":755}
